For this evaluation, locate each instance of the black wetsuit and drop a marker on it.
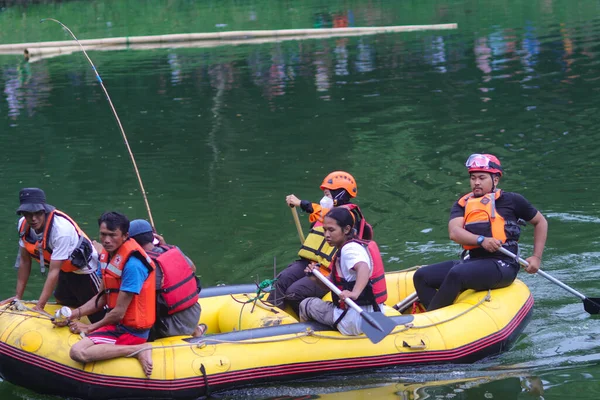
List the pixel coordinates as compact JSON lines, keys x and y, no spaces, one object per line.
{"x":438,"y":285}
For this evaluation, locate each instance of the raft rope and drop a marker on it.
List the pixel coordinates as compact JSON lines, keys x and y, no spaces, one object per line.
{"x":17,"y":307}
{"x":260,"y":289}
{"x":488,"y":297}
{"x":310,"y":332}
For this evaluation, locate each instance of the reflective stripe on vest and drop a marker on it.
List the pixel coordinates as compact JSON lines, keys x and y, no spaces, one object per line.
{"x":481,"y":218}
{"x":376,"y":290}
{"x":141,"y":312}
{"x":178,"y":287}
{"x":37,"y":248}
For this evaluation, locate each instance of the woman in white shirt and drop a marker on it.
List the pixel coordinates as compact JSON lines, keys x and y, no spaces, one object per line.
{"x":357,"y":271}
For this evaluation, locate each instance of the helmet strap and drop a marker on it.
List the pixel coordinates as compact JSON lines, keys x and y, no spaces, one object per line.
{"x":340,"y":197}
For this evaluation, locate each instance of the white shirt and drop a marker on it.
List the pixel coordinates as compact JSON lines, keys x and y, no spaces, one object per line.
{"x":350,"y":255}
{"x":62,"y":240}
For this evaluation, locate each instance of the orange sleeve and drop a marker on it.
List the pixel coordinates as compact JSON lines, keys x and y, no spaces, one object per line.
{"x":318,"y":213}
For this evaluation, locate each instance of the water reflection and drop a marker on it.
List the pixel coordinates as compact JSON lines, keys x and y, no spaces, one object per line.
{"x":275,"y":68}
{"x":502,"y":386}
{"x":25,"y":88}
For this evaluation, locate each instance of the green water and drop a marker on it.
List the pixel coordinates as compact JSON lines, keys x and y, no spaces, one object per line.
{"x":221,"y":135}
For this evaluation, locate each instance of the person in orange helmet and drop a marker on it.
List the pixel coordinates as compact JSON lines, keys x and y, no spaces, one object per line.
{"x":481,"y":222}
{"x":292,"y":284}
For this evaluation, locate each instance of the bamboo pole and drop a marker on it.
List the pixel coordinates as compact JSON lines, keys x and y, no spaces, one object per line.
{"x":230,"y":37}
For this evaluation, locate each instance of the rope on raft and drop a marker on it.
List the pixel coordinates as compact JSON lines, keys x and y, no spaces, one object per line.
{"x":18,"y":308}
{"x":260,"y":289}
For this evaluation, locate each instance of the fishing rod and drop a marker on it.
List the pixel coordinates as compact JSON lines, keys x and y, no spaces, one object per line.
{"x":112,"y":107}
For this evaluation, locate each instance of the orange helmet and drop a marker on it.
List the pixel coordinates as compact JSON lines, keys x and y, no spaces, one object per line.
{"x":484,"y":163}
{"x":340,"y":180}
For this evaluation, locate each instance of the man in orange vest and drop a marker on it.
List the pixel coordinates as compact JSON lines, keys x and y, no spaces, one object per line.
{"x":53,"y":239}
{"x":481,"y":222}
{"x":128,"y":290}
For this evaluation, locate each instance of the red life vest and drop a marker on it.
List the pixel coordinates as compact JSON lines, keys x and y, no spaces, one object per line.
{"x":481,"y":218}
{"x":376,"y":290}
{"x":34,"y":246}
{"x":178,"y":287}
{"x":141,"y":312}
{"x":315,"y":247}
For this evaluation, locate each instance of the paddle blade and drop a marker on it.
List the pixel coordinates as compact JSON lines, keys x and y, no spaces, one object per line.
{"x":376,"y":325}
{"x":591,"y":305}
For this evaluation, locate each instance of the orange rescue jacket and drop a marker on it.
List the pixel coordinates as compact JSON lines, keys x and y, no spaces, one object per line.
{"x":34,"y":247}
{"x":141,"y":313}
{"x":481,"y":218}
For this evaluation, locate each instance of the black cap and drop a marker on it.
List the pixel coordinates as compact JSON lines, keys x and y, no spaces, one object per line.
{"x":33,"y":200}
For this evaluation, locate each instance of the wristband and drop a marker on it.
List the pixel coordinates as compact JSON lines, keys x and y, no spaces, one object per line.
{"x":480,"y":240}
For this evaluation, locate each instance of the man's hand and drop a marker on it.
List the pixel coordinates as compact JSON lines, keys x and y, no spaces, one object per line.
{"x":99,"y":248}
{"x":78,"y":327}
{"x":6,"y":301}
{"x":534,"y":264}
{"x":292,"y":200}
{"x":59,"y":323}
{"x":492,"y":245}
{"x":39,"y":307}
{"x":160,"y":239}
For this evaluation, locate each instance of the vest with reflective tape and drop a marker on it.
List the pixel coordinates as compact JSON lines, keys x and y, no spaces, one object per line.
{"x":376,"y":290}
{"x":481,"y":218}
{"x":316,"y":248}
{"x":34,"y":246}
{"x":178,"y":287}
{"x":141,"y":312}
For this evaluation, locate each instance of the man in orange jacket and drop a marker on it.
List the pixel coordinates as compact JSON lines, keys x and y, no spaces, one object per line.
{"x":128,"y":290}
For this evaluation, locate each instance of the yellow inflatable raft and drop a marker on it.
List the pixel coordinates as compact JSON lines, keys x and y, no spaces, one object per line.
{"x":249,"y":342}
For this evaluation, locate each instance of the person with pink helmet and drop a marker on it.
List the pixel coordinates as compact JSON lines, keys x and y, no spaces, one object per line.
{"x":482,"y":221}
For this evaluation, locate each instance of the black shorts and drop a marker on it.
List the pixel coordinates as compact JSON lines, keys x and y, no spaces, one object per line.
{"x":74,"y":290}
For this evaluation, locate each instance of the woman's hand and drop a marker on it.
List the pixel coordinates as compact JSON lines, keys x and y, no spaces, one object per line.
{"x":310,"y":267}
{"x":346,"y":294}
{"x":292,"y":200}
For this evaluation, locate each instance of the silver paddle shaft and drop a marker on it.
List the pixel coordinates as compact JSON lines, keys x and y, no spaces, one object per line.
{"x":336,"y":290}
{"x":545,"y":275}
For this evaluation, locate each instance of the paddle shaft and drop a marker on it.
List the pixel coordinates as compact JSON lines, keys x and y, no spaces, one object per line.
{"x":408,"y":300}
{"x":298,"y":226}
{"x":545,"y":275}
{"x":336,"y":290}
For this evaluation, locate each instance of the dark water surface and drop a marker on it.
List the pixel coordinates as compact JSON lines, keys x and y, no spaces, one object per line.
{"x":222,"y":134}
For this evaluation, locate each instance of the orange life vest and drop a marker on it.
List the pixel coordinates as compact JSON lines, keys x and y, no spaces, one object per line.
{"x":178,"y":287}
{"x":481,"y":218}
{"x":34,"y":246}
{"x":141,"y":312}
{"x":375,"y":292}
{"x":315,"y":247}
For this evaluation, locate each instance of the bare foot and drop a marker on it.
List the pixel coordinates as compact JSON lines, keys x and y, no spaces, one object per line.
{"x":145,"y":358}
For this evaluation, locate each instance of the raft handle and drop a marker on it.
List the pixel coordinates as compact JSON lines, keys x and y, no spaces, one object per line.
{"x":420,"y":346}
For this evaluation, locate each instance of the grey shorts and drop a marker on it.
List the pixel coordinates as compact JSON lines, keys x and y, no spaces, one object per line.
{"x":318,"y":310}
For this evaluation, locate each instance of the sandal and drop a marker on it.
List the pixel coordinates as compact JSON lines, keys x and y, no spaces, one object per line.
{"x":200,"y":330}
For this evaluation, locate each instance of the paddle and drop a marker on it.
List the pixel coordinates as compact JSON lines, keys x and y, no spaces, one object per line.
{"x":590,"y":305}
{"x":375,"y":325}
{"x":408,"y":300}
{"x":298,"y":227}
